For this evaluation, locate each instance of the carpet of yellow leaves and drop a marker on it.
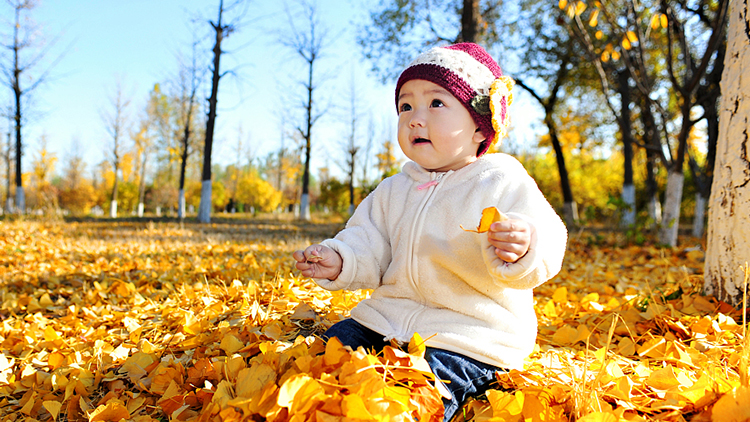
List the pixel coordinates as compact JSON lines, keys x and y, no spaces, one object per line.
{"x":142,"y":322}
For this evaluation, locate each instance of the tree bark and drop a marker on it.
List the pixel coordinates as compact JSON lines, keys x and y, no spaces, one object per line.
{"x":469,"y":21}
{"x":305,"y":200}
{"x":673,"y":198}
{"x":204,"y":210}
{"x":570,"y":208}
{"x":729,"y":205}
{"x":17,"y":93}
{"x":626,"y":129}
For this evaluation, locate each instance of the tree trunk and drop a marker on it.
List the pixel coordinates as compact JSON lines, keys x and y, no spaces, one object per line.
{"x":469,"y":21}
{"x":729,"y":205}
{"x":8,"y":199}
{"x":570,"y":208}
{"x":181,"y":204}
{"x":700,"y":213}
{"x":183,"y":169}
{"x":204,"y":210}
{"x":113,"y":202}
{"x":142,"y":187}
{"x":653,"y":144}
{"x":305,"y":200}
{"x":18,"y":92}
{"x":671,"y":219}
{"x":628,"y":188}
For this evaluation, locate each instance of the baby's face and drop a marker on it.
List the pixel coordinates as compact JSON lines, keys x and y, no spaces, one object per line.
{"x":434,"y":129}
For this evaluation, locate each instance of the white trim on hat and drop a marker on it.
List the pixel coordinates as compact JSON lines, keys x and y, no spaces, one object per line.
{"x":463,"y":64}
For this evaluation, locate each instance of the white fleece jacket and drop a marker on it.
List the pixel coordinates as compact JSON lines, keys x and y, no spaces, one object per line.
{"x":430,"y":276}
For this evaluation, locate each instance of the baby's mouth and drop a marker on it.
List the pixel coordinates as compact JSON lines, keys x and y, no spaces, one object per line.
{"x":421,"y":141}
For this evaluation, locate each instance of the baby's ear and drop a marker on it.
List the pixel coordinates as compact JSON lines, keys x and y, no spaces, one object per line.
{"x":478,"y":136}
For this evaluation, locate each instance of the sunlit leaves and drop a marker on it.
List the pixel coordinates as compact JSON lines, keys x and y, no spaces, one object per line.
{"x":152,"y":323}
{"x":659,"y":20}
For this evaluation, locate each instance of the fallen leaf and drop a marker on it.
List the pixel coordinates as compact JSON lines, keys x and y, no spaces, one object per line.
{"x":489,"y":215}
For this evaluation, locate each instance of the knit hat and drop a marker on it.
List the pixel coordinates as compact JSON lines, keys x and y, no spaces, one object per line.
{"x":468,"y":72}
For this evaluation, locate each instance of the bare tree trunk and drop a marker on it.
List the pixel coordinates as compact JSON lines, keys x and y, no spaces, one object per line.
{"x":628,"y":187}
{"x":651,"y":139}
{"x":570,"y":208}
{"x":17,"y":93}
{"x":729,"y":205}
{"x":305,"y":200}
{"x":142,"y":185}
{"x":204,"y":210}
{"x":115,"y":125}
{"x":308,"y":43}
{"x":470,"y":17}
{"x":8,"y":198}
{"x":673,"y":197}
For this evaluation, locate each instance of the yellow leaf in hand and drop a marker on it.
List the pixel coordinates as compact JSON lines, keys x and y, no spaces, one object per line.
{"x":416,"y":345}
{"x":489,"y":216}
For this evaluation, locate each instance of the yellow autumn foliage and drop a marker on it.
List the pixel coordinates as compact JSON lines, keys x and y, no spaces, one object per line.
{"x":154,"y":322}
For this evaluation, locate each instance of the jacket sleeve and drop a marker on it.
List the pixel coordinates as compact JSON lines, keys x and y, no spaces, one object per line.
{"x":364,"y":245}
{"x":523,"y":200}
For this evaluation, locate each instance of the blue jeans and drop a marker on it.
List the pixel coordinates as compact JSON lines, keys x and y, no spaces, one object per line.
{"x":468,"y":377}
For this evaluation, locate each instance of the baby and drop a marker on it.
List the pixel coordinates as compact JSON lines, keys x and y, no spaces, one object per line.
{"x":469,"y":295}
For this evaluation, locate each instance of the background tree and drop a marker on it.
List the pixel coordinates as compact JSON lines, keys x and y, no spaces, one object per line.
{"x":221,"y":31}
{"x":399,"y":29}
{"x":728,"y":226}
{"x":690,"y":53}
{"x":77,"y":194}
{"x":190,"y":78}
{"x":44,"y":195}
{"x":548,"y":57}
{"x":308,"y":42}
{"x":115,"y":123}
{"x":7,"y":160}
{"x":614,"y":79}
{"x":351,"y":146}
{"x":142,"y":142}
{"x":27,"y":54}
{"x":388,"y":163}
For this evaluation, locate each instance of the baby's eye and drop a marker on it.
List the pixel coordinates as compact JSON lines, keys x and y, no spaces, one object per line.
{"x":436,"y":103}
{"x":404,"y":107}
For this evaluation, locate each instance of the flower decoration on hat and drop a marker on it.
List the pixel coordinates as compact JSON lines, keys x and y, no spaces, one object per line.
{"x":500,"y":98}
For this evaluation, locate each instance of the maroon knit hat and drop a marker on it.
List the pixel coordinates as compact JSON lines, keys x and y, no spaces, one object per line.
{"x":468,"y":72}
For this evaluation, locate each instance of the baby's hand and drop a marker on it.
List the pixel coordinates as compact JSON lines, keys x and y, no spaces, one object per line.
{"x":318,"y":261}
{"x":511,"y":239}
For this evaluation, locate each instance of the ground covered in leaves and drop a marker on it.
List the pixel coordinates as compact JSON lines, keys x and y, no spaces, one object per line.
{"x":104,"y":321}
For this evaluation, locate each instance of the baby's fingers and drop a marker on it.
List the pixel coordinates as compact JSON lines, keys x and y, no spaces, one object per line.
{"x":299,"y":256}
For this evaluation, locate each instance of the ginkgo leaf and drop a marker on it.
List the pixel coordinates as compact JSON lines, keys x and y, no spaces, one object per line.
{"x":354,"y":407}
{"x":489,"y":215}
{"x":417,"y":345}
{"x":53,"y":407}
{"x":147,"y":332}
{"x":732,"y":406}
{"x":113,"y":411}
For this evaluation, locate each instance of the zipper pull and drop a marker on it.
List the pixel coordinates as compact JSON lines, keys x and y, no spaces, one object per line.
{"x":428,"y":184}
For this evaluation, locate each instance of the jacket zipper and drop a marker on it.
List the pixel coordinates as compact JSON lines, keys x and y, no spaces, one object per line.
{"x":417,"y":222}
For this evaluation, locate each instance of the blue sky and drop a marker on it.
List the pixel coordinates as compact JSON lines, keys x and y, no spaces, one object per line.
{"x":137,"y":42}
